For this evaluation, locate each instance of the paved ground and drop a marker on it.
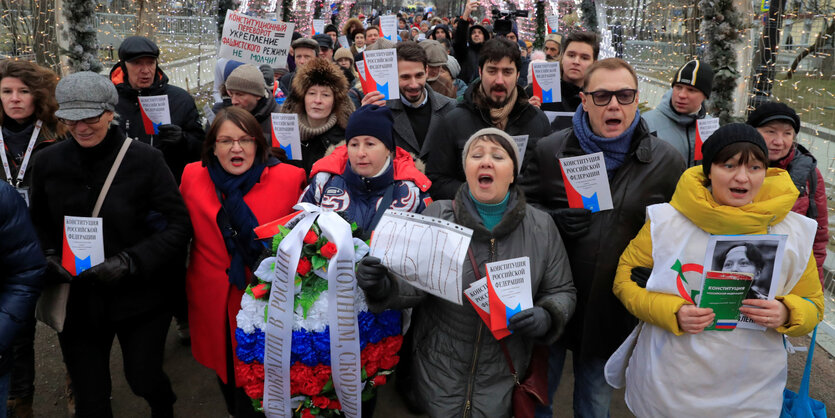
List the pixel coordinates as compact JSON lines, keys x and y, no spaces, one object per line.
{"x":199,"y":396}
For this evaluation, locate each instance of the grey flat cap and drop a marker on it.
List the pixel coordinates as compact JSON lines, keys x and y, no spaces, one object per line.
{"x":306,"y":43}
{"x":85,"y":95}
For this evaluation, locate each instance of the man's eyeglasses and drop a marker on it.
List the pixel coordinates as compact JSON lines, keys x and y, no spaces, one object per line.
{"x":603,"y":97}
{"x":227,"y":143}
{"x":88,"y":121}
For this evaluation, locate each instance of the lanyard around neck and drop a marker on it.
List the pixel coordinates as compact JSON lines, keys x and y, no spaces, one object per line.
{"x":26,"y":156}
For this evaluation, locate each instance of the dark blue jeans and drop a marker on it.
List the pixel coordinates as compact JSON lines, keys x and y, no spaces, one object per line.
{"x":592,"y":394}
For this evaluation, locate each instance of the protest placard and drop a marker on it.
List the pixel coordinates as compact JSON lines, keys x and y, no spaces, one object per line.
{"x":255,"y":41}
{"x":428,"y":253}
{"x":155,"y":113}
{"x":546,"y":81}
{"x":83,"y":243}
{"x":343,"y":41}
{"x":553,"y":22}
{"x":509,"y":287}
{"x":286,"y":134}
{"x":586,"y":182}
{"x":522,"y":144}
{"x":378,"y":72}
{"x":704,"y":129}
{"x":388,"y":27}
{"x":723,"y":292}
{"x":554,"y":115}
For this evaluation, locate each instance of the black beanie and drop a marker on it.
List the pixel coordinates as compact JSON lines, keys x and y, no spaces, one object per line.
{"x":771,"y":111}
{"x":697,"y":74}
{"x":372,"y":120}
{"x":727,"y":135}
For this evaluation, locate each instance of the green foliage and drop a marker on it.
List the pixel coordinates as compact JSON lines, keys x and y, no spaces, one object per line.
{"x":312,"y":287}
{"x":539,"y":39}
{"x":721,"y":27}
{"x":589,"y":15}
{"x":83,"y":48}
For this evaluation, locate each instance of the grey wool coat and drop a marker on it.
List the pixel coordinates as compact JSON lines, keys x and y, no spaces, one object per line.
{"x":458,"y":365}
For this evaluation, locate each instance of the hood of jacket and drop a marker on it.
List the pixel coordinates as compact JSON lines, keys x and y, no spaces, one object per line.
{"x":119,"y":77}
{"x":404,"y":166}
{"x":666,"y":109}
{"x":770,"y":206}
{"x":470,"y":35}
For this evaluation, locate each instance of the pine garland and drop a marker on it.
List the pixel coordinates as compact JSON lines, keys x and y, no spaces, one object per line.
{"x":589,"y":11}
{"x":222,"y":7}
{"x":83,"y":48}
{"x":539,"y":38}
{"x":721,"y":28}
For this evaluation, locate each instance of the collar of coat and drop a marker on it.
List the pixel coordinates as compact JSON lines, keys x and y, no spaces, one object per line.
{"x":467,"y":215}
{"x":770,"y":206}
{"x":404,"y":166}
{"x":119,"y":77}
{"x":470,"y":102}
{"x":431,"y":95}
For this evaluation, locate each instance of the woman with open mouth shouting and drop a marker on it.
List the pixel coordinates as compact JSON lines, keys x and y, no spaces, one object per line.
{"x":674,"y":368}
{"x":237,"y":186}
{"x":460,"y":368}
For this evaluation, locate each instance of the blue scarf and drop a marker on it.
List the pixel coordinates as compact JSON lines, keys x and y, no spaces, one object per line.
{"x":235,"y":220}
{"x":614,"y":149}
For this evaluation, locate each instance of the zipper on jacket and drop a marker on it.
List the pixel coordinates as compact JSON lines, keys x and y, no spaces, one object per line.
{"x":469,"y":405}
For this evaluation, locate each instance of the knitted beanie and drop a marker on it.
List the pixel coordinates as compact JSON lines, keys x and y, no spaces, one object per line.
{"x":247,"y":79}
{"x":372,"y":120}
{"x":727,"y":135}
{"x":506,"y":141}
{"x":697,"y":74}
{"x":343,"y":53}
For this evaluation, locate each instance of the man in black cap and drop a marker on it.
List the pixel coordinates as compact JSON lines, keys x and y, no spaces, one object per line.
{"x":467,"y":43}
{"x":333,"y":32}
{"x":138,"y":74}
{"x":325,"y":45}
{"x":674,"y":119}
{"x":304,"y":50}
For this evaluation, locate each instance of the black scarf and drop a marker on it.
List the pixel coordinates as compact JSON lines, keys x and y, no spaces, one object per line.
{"x":235,"y":220}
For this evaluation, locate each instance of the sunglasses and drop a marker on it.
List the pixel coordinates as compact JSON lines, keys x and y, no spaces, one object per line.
{"x":87,"y":121}
{"x":603,"y":97}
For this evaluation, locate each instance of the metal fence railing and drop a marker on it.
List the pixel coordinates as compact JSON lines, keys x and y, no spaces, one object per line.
{"x":169,"y":25}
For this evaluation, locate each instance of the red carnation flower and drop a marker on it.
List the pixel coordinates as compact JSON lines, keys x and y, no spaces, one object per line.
{"x":334,"y":404}
{"x":259,"y":291}
{"x":388,"y":362}
{"x":328,"y":250}
{"x":310,"y":238}
{"x":304,"y":266}
{"x":372,"y":367}
{"x":321,"y":402}
{"x":379,"y":380}
{"x":306,"y":414}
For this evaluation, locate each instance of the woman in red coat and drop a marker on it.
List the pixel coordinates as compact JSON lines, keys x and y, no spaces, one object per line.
{"x":237,"y":186}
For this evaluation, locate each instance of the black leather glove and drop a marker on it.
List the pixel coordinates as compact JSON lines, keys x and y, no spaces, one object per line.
{"x":572,"y":222}
{"x":372,"y":277}
{"x":640,"y":275}
{"x":111,"y":270}
{"x":56,"y":273}
{"x":532,"y":322}
{"x":269,"y":77}
{"x":170,"y":136}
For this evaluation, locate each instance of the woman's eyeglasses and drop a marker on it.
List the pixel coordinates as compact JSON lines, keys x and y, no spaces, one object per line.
{"x":603,"y":97}
{"x":88,"y":121}
{"x":245,"y":142}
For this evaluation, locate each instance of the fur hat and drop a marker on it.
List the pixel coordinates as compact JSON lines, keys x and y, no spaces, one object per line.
{"x":352,"y":27}
{"x":246,"y":78}
{"x":320,"y":72}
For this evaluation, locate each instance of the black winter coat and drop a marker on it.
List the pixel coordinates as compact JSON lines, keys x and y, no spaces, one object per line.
{"x":465,"y":51}
{"x":648,"y":176}
{"x":22,"y":265}
{"x":447,"y":139}
{"x":143,"y":215}
{"x":183,"y":114}
{"x":570,"y":101}
{"x":315,"y":148}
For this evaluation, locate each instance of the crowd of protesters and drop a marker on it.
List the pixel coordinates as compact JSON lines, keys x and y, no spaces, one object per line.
{"x":179,"y":207}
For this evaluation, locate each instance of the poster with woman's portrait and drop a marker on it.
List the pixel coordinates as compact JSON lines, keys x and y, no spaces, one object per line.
{"x":760,"y":255}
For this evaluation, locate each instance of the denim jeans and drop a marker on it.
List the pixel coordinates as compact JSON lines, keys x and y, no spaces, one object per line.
{"x":4,"y":392}
{"x":592,"y":394}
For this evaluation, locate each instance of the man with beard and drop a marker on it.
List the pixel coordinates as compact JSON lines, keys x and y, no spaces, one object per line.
{"x":419,"y":108}
{"x":642,"y":170}
{"x":493,"y":101}
{"x":467,"y":43}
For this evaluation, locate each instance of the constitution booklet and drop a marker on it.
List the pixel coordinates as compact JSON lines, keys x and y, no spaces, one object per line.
{"x":723,"y":292}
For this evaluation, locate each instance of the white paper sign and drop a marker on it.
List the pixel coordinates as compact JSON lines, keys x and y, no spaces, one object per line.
{"x":318,"y":26}
{"x":286,"y":134}
{"x":388,"y":27}
{"x":155,"y":113}
{"x":704,"y":129}
{"x":553,"y":115}
{"x":477,"y":292}
{"x":426,"y":252}
{"x":84,"y":238}
{"x":546,"y":81}
{"x":255,"y":41}
{"x":586,"y":182}
{"x":553,"y":23}
{"x":378,"y":72}
{"x":522,"y":144}
{"x":210,"y":116}
{"x":511,"y":280}
{"x":343,"y":41}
